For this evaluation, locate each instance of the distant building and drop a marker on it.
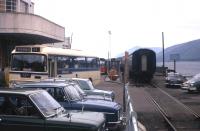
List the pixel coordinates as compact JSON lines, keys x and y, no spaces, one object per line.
{"x":19,"y":26}
{"x":24,"y":6}
{"x":65,"y":44}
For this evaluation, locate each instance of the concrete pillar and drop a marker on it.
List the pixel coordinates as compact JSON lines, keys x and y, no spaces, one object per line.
{"x":1,"y":57}
{"x":18,"y":5}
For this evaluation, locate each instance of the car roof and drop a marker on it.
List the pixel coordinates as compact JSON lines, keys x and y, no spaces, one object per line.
{"x":80,"y":79}
{"x":59,"y":84}
{"x":174,"y":74}
{"x":67,"y":80}
{"x":18,"y":91}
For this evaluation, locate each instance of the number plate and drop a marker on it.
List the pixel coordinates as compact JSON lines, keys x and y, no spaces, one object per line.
{"x":25,"y":75}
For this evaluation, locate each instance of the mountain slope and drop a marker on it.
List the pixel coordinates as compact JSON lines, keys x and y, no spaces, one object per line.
{"x":189,"y":51}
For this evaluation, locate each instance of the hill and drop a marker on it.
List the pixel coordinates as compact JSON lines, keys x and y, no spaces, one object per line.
{"x":188,"y":51}
{"x":156,"y":49}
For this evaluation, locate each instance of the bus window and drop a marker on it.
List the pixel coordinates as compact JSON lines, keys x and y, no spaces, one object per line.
{"x":29,"y":62}
{"x":92,"y":63}
{"x":79,"y":63}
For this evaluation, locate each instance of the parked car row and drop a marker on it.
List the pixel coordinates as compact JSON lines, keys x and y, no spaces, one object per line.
{"x":58,"y":104}
{"x":178,"y":80}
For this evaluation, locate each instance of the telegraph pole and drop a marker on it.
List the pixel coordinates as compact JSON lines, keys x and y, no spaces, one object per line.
{"x":163,"y":48}
{"x":125,"y":80}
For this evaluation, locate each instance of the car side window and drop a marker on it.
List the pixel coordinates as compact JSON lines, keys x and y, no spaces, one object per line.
{"x":17,"y":105}
{"x":59,"y":95}
{"x":51,"y":91}
{"x":8,"y":105}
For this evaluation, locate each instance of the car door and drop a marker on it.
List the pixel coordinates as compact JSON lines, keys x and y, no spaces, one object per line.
{"x":25,"y":118}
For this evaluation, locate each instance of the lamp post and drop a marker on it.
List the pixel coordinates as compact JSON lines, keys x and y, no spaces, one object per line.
{"x":109,"y":33}
{"x":109,"y":49}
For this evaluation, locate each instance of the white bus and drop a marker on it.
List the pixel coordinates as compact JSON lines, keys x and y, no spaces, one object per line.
{"x":32,"y":63}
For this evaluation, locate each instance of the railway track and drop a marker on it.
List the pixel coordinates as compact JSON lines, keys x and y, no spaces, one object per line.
{"x":178,"y":116}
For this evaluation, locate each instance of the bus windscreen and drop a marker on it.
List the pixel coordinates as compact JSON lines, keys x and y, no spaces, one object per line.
{"x":29,"y":62}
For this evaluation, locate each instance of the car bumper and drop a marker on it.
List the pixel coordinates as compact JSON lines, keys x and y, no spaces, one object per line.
{"x":192,"y":89}
{"x":115,"y":125}
{"x":173,"y":84}
{"x":184,"y":87}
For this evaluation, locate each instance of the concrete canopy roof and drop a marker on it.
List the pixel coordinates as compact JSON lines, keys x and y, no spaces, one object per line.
{"x":26,"y":39}
{"x":23,"y":28}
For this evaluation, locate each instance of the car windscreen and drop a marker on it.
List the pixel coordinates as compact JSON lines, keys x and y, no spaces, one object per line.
{"x":73,"y":93}
{"x":174,"y":77}
{"x":85,"y":85}
{"x":78,"y":89}
{"x":46,"y":103}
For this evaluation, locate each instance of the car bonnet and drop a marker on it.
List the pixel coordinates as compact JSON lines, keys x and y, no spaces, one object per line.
{"x":100,"y":105}
{"x":83,"y":118}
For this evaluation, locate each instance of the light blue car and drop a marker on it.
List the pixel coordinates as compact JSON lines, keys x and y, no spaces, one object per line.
{"x":87,"y":86}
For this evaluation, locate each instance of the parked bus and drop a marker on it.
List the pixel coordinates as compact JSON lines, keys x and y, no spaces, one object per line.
{"x":32,"y":63}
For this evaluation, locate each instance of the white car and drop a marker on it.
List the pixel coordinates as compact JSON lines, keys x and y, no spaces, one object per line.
{"x":192,"y":85}
{"x":87,"y":86}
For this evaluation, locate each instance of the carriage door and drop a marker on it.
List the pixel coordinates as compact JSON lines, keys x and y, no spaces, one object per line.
{"x":52,"y":62}
{"x":144,"y":63}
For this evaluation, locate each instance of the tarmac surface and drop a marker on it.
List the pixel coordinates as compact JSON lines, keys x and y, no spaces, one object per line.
{"x":147,"y":114}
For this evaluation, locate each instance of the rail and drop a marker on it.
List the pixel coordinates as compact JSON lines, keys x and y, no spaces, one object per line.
{"x":196,"y":115}
{"x":171,"y":127}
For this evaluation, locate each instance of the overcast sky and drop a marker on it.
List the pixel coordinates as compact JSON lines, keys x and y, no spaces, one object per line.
{"x":131,"y":22}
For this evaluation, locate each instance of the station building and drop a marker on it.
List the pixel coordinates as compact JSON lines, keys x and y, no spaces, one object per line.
{"x":20,"y":26}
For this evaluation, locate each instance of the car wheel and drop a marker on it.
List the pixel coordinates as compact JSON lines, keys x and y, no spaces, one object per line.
{"x":189,"y":91}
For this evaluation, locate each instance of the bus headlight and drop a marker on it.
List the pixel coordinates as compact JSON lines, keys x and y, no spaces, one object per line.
{"x":12,"y":84}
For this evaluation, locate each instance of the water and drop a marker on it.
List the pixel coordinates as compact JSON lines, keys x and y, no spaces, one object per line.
{"x":189,"y":68}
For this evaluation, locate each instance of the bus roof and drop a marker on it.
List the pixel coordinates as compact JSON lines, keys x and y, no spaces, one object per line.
{"x":51,"y":50}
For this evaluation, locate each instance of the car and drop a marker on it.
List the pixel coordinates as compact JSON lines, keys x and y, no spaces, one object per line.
{"x":192,"y":85}
{"x":36,"y":110}
{"x":174,"y":79}
{"x":70,"y":99}
{"x":90,"y":96}
{"x":87,"y":86}
{"x":79,"y":89}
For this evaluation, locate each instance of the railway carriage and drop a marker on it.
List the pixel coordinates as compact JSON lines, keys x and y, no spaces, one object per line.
{"x":142,"y":65}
